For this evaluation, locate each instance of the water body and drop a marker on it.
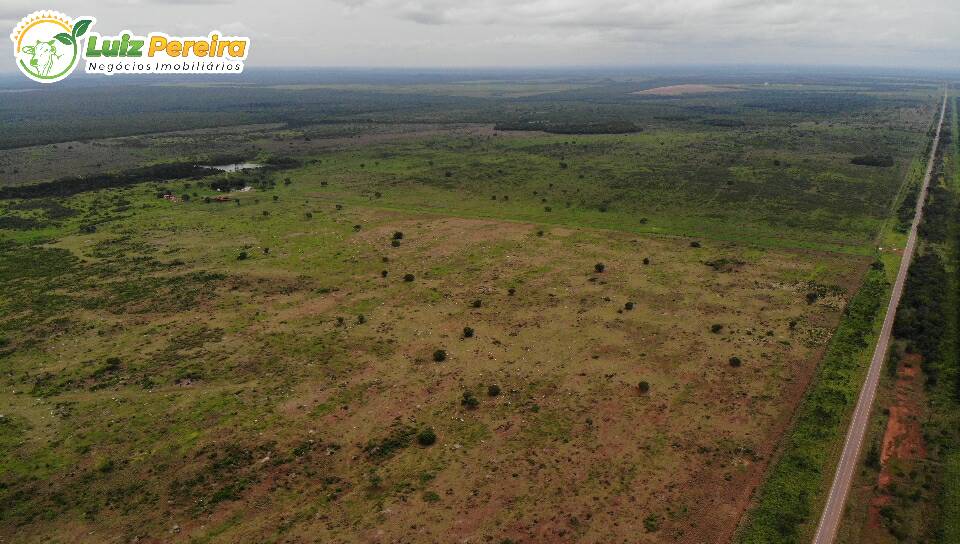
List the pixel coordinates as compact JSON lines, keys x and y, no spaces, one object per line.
{"x":236,"y":167}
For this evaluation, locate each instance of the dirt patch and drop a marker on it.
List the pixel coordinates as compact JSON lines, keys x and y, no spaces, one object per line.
{"x":903,"y":437}
{"x":679,"y":90}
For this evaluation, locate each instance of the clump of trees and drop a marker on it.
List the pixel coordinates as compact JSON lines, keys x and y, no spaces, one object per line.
{"x":884,"y":161}
{"x":78,"y":184}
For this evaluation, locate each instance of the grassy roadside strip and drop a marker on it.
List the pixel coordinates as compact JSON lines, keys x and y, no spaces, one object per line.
{"x":795,"y":485}
{"x":788,"y":503}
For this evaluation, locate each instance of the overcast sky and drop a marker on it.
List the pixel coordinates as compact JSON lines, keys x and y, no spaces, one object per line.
{"x":467,"y":33}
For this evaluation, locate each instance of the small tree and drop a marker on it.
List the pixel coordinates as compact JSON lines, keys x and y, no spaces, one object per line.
{"x":477,"y":303}
{"x":643,"y":387}
{"x":493,"y":390}
{"x":440,"y":355}
{"x":646,"y":260}
{"x":716,"y":328}
{"x":468,"y":332}
{"x":408,"y":277}
{"x":383,"y":273}
{"x":242,"y":256}
{"x":398,"y":235}
{"x":599,"y":267}
{"x":735,"y":362}
{"x":695,"y":243}
{"x":628,"y":306}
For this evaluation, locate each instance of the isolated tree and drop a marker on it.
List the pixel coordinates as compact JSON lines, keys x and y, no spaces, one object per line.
{"x":493,"y":390}
{"x":398,"y":235}
{"x":468,"y":332}
{"x":408,"y":277}
{"x":716,"y":328}
{"x":643,"y":387}
{"x":242,"y":256}
{"x":628,"y":306}
{"x":440,"y":355}
{"x":599,"y":267}
{"x":735,"y":362}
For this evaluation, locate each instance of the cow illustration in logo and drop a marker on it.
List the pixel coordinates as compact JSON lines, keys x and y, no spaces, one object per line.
{"x":42,"y":56}
{"x":47,"y":45}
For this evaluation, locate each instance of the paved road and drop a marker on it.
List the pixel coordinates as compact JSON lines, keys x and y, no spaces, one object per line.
{"x":833,"y":510}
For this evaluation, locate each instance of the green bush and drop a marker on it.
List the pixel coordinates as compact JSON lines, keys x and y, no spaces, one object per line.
{"x":427,"y":437}
{"x":469,"y":400}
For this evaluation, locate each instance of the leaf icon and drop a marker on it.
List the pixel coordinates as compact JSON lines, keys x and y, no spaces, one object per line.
{"x":81,"y":27}
{"x":64,"y":38}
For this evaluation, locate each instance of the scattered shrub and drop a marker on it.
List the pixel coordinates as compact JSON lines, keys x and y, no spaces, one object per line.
{"x":477,"y":303}
{"x":242,"y":256}
{"x":427,"y":437}
{"x":467,"y":332}
{"x":716,"y":328}
{"x":643,"y":387}
{"x":440,"y":355}
{"x":695,"y":243}
{"x":409,"y":277}
{"x":735,"y":362}
{"x":599,"y":267}
{"x":398,"y":235}
{"x":493,"y":390}
{"x":469,"y":400}
{"x":628,"y":306}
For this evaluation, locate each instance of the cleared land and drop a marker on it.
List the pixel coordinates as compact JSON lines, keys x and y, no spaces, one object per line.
{"x":679,"y":90}
{"x":402,"y":332}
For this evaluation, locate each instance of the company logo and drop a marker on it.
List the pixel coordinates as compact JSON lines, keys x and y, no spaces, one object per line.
{"x":48,"y":46}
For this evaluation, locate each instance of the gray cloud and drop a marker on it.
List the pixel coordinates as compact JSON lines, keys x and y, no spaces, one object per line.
{"x":550,"y":32}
